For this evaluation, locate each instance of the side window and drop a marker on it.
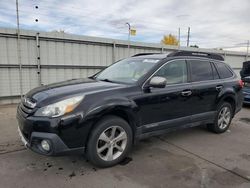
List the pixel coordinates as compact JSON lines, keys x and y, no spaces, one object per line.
{"x":175,"y":72}
{"x":201,"y":70}
{"x":223,"y":70}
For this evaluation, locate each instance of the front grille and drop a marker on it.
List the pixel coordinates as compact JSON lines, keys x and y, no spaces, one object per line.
{"x":25,"y":110}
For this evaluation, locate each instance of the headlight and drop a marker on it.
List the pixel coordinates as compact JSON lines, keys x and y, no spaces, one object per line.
{"x":60,"y":108}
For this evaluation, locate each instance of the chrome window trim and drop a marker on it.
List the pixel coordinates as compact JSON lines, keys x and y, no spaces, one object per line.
{"x":191,"y":82}
{"x":222,"y":79}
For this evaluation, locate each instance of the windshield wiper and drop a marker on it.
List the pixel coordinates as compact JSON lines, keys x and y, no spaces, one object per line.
{"x":106,"y":80}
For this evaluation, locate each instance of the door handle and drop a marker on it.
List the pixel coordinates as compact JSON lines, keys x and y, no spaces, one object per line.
{"x":186,"y":93}
{"x":218,"y":88}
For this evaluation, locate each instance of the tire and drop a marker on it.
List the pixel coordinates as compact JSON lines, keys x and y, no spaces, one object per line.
{"x":112,"y":136}
{"x":223,"y":118}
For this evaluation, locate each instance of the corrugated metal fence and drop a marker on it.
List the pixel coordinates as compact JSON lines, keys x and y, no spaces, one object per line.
{"x":48,"y":57}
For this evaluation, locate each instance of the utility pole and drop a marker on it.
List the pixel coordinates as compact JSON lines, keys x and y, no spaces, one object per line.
{"x":129,"y":28}
{"x":19,"y":50}
{"x":247,"y":50}
{"x":179,"y":38}
{"x":188,"y":36}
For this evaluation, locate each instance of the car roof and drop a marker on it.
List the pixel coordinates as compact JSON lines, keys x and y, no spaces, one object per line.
{"x":181,"y":54}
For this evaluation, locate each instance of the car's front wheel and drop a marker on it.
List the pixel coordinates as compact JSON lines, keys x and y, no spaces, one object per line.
{"x":223,"y":118}
{"x":109,"y":142}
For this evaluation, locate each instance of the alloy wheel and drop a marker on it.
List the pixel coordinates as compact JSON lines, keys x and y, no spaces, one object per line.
{"x":111,"y":143}
{"x":224,"y":117}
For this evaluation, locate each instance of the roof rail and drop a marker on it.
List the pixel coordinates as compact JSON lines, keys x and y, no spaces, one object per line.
{"x":141,"y":54}
{"x":196,"y":54}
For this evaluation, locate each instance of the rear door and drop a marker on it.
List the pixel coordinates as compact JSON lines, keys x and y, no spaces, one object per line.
{"x":230,"y":83}
{"x":206,"y":87}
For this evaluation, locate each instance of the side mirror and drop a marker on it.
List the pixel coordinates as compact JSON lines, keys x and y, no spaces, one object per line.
{"x":158,"y":82}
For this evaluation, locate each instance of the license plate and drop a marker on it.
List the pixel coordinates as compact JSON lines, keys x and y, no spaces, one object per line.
{"x":22,"y":137}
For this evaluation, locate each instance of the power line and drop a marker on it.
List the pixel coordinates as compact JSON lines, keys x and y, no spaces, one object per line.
{"x":84,"y":13}
{"x":91,"y":13}
{"x":60,"y":17}
{"x":94,"y":13}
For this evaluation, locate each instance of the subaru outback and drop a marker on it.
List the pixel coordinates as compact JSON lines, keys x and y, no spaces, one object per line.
{"x":145,"y":95}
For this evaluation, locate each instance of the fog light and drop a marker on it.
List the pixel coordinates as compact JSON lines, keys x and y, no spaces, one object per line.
{"x":45,"y":145}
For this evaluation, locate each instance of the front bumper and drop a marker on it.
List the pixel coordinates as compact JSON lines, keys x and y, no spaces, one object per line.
{"x":57,"y":146}
{"x":66,"y":135}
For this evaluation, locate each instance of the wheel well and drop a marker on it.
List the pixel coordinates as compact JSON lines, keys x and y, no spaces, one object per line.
{"x":231,"y":101}
{"x":124,"y":115}
{"x":119,"y":113}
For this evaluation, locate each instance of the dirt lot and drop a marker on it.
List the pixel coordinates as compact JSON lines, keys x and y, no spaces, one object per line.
{"x":189,"y":158}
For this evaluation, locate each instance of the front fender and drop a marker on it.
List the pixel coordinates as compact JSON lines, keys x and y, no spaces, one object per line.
{"x":112,"y":105}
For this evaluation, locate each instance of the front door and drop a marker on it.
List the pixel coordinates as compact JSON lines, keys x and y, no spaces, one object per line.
{"x":162,"y":108}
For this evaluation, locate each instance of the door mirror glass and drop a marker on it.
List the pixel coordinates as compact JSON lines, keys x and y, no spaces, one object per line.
{"x":158,"y":82}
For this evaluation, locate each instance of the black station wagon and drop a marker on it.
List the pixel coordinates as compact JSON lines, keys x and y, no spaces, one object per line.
{"x":134,"y":98}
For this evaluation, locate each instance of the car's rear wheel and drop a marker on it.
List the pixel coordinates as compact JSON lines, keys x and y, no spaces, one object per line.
{"x":109,"y":142}
{"x":223,"y":118}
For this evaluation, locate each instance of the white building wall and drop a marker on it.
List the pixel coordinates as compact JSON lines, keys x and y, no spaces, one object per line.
{"x":64,"y":56}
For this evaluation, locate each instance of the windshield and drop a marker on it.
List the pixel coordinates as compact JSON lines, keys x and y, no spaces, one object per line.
{"x":127,"y":70}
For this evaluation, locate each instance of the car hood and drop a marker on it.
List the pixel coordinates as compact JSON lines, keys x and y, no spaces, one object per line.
{"x":59,"y":90}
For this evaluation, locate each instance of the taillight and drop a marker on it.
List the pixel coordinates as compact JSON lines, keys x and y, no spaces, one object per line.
{"x":241,"y":83}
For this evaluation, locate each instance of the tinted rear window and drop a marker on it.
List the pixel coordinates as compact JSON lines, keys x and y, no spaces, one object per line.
{"x":201,"y":70}
{"x":223,"y":70}
{"x":216,"y":75}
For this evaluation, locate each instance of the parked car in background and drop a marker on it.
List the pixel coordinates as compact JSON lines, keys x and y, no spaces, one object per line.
{"x":245,"y":77}
{"x":141,"y":96}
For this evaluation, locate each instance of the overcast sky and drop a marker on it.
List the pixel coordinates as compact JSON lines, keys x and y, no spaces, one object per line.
{"x":214,"y":23}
